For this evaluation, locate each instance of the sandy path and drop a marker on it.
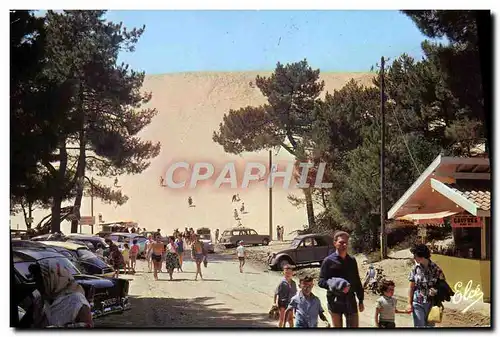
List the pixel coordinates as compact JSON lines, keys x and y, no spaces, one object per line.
{"x":225,"y":298}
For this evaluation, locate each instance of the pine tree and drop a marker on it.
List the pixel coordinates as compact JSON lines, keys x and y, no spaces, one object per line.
{"x":106,"y":103}
{"x":292,"y":92}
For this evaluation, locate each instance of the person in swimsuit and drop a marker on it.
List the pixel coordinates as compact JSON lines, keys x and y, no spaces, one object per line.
{"x":134,"y":252}
{"x":156,"y":251}
{"x":198,"y":254}
{"x":180,"y":250}
{"x":126,"y":258}
{"x":149,"y":251}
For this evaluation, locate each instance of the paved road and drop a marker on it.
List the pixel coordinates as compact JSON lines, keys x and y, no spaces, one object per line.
{"x":225,"y":298}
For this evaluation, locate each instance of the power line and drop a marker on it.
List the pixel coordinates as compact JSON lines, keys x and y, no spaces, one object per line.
{"x":406,"y":143}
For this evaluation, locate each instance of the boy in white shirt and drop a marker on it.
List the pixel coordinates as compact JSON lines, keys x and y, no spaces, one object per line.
{"x":241,"y":252}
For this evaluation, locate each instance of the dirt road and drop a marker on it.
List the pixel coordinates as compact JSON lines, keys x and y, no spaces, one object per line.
{"x":225,"y":298}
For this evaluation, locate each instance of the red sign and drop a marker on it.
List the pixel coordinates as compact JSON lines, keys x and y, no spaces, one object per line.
{"x":466,"y":221}
{"x":439,"y":222}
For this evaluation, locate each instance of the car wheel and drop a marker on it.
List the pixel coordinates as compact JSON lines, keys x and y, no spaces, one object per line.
{"x":283,"y":262}
{"x":265,"y":242}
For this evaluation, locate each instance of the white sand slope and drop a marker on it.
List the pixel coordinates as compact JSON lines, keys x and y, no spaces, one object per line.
{"x":190,"y":107}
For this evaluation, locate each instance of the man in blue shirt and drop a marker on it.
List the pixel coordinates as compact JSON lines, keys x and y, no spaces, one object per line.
{"x":306,"y":305}
{"x":341,"y":265}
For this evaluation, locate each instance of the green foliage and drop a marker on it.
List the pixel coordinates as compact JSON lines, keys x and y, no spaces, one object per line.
{"x":85,"y":111}
{"x":292,"y":93}
{"x":426,"y":115}
{"x":36,"y":104}
{"x":459,"y":60}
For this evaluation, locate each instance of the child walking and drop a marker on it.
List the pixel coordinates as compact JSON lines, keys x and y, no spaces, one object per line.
{"x":284,"y":293}
{"x":306,"y":306}
{"x":126,"y":258}
{"x":386,"y":306}
{"x":134,"y":252}
{"x":241,"y":252}
{"x":180,"y":250}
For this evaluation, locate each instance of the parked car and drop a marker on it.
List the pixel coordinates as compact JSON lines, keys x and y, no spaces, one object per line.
{"x":207,"y":242}
{"x":121,"y":238}
{"x":27,"y":244}
{"x":92,"y":239}
{"x":105,"y":295}
{"x":231,"y":237}
{"x":47,"y":237}
{"x":304,"y":250}
{"x":82,"y":257}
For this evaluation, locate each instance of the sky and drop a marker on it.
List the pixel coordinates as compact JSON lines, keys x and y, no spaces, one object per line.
{"x":342,"y":41}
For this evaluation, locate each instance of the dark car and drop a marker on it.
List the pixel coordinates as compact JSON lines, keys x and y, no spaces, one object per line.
{"x":82,"y":257}
{"x":304,"y":250}
{"x":105,"y":295}
{"x":90,"y":241}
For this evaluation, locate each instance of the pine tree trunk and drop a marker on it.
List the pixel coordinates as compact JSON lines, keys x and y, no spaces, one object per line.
{"x":80,"y":172}
{"x":80,"y":169}
{"x":309,"y":207}
{"x":55,"y":223}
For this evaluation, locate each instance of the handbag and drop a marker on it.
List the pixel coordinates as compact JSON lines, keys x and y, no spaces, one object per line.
{"x":435,"y":314}
{"x":205,"y":261}
{"x":274,"y":313}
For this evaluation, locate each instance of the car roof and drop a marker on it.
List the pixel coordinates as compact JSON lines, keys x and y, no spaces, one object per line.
{"x":300,"y":237}
{"x":65,"y":244}
{"x":84,"y":237}
{"x":35,"y":253}
{"x":124,"y":234}
{"x":238,"y":228}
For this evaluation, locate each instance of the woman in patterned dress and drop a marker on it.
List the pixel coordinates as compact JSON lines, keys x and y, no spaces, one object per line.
{"x":423,"y":279}
{"x":171,"y":257}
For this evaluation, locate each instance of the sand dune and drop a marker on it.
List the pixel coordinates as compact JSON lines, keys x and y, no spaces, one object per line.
{"x":190,"y":107}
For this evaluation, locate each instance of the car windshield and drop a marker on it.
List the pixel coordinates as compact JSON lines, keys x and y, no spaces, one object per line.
{"x":85,"y":254}
{"x":295,"y":243}
{"x":226,"y":233}
{"x":23,"y":267}
{"x":205,"y":237}
{"x":115,"y":238}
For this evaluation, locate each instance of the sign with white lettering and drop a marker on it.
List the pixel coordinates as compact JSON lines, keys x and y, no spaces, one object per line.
{"x":466,"y":221}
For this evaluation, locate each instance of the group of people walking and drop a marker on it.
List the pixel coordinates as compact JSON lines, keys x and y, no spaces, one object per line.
{"x":339,"y":275}
{"x":172,"y":253}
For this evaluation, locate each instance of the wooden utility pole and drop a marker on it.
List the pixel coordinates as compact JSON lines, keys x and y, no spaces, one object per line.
{"x":383,"y":238}
{"x":270,"y":195}
{"x":92,"y":204}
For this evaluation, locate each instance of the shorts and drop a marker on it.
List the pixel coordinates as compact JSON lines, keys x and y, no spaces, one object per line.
{"x":156,"y":258}
{"x":241,"y":258}
{"x":386,"y":324}
{"x":283,"y":303}
{"x":199,"y":258}
{"x":344,"y":306}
